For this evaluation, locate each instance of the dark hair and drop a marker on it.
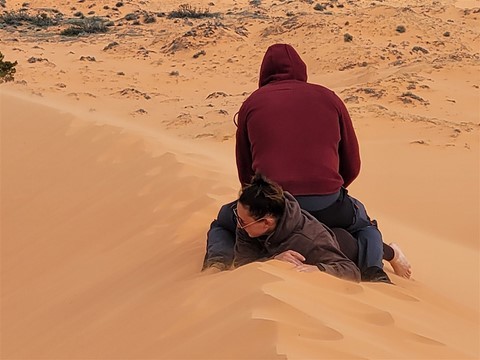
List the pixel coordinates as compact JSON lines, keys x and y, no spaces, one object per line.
{"x":263,"y":197}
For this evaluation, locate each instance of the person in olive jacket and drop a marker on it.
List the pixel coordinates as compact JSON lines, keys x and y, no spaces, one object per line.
{"x":271,"y":225}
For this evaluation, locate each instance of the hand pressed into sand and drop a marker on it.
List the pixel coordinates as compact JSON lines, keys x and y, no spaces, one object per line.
{"x":291,"y":257}
{"x":307,"y":268}
{"x":296,"y":259}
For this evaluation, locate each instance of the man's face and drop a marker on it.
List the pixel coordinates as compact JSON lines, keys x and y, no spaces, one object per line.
{"x":253,"y":227}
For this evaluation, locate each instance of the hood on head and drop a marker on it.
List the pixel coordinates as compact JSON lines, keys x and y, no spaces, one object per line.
{"x":291,"y":219}
{"x":282,"y":62}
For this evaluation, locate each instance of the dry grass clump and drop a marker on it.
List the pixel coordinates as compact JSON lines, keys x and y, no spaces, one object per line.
{"x":347,"y":37}
{"x":23,"y":17}
{"x":187,"y":11}
{"x":91,"y":25}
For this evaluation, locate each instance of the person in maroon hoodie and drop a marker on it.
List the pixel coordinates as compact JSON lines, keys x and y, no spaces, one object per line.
{"x":301,"y":136}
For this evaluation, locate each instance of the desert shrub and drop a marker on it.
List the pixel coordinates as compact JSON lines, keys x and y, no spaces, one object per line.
{"x":7,"y":70}
{"x":91,"y":25}
{"x":2,"y":3}
{"x":72,"y":31}
{"x":21,"y":17}
{"x":131,"y":16}
{"x":201,"y":52}
{"x":419,"y":49}
{"x":187,"y":11}
{"x":149,"y":18}
{"x":401,"y":29}
{"x":347,"y":37}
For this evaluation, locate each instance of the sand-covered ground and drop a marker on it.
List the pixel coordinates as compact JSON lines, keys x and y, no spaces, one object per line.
{"x":117,"y":150}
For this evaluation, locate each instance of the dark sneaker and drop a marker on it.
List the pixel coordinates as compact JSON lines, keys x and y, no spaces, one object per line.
{"x":375,"y":274}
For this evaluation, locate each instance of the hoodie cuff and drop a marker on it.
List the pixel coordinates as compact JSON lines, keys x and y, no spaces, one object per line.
{"x":321,"y":267}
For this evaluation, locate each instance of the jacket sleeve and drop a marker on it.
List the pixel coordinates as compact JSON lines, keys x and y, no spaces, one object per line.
{"x":329,"y":258}
{"x":342,"y":268}
{"x":247,"y":250}
{"x":348,"y":149}
{"x":243,"y":152}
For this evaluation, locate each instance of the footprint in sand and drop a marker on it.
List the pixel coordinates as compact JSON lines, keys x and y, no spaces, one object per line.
{"x":370,"y":314}
{"x":346,"y":288}
{"x":378,"y":317}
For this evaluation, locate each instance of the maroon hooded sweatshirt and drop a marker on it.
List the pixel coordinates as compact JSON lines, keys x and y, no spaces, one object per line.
{"x":298,"y":134}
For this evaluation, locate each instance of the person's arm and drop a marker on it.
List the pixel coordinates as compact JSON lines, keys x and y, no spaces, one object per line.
{"x":221,"y":239}
{"x":247,"y":250}
{"x":348,"y":149}
{"x":327,"y":257}
{"x":243,"y":151}
{"x":342,"y":268}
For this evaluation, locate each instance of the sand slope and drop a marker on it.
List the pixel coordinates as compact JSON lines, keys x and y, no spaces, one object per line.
{"x":117,"y":151}
{"x":102,"y":239}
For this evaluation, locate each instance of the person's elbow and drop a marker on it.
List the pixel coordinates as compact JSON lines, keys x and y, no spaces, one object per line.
{"x":351,"y":273}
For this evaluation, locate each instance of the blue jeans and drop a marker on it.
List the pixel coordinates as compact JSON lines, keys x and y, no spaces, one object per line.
{"x":369,"y":238}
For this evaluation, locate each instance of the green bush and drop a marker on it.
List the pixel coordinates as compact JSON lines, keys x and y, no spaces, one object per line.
{"x":7,"y":70}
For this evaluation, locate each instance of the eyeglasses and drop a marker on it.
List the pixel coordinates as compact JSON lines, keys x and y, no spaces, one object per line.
{"x":240,"y":223}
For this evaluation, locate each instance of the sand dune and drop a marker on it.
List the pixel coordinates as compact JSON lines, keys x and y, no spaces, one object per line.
{"x":102,"y":242}
{"x":117,"y":151}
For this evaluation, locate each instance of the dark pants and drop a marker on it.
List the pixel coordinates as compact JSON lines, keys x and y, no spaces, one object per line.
{"x":345,"y":213}
{"x":350,"y":214}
